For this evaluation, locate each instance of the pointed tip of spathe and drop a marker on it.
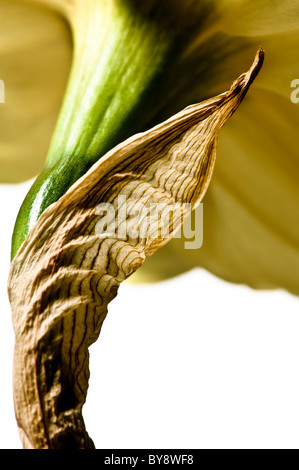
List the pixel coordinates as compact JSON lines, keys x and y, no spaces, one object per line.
{"x":261,"y":51}
{"x":258,"y":61}
{"x":256,"y":65}
{"x":242,"y":84}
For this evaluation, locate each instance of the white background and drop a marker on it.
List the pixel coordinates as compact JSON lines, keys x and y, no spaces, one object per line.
{"x":193,"y":362}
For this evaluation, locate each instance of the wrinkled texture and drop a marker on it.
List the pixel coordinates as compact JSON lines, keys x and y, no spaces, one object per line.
{"x":69,"y":268}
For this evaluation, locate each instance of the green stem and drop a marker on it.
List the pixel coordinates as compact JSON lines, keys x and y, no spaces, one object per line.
{"x":120,"y":52}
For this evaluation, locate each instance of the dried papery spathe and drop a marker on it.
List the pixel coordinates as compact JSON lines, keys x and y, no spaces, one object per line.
{"x":64,"y":275}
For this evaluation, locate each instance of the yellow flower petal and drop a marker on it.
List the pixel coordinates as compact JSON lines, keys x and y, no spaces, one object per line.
{"x":35,"y":55}
{"x":251,"y":219}
{"x":258,"y":17}
{"x":282,"y":65}
{"x":251,"y":216}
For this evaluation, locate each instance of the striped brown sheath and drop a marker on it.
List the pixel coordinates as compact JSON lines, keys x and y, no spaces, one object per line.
{"x":66,"y":273}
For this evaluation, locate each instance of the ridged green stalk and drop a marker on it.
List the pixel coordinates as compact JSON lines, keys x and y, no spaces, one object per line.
{"x":120,"y":53}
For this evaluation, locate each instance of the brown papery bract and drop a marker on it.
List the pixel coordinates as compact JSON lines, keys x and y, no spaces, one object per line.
{"x":66,"y":273}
